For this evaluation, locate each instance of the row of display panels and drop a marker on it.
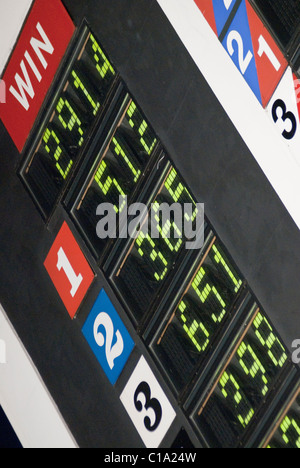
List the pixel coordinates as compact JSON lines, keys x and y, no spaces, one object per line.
{"x":211,"y":340}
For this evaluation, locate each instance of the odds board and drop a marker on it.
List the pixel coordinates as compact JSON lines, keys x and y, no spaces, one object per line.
{"x":142,"y":342}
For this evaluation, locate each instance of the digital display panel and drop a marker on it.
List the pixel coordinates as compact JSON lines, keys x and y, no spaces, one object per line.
{"x":121,"y":167}
{"x":243,"y":386}
{"x":203,"y":310}
{"x":73,"y":113}
{"x":287,"y":433}
{"x":149,"y":261}
{"x":117,"y":171}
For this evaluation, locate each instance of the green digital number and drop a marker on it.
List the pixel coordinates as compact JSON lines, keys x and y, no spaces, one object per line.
{"x":119,"y":151}
{"x":156,"y":260}
{"x":110,"y":186}
{"x":103,"y":65}
{"x":236,"y":398}
{"x":53,"y":147}
{"x":82,"y":91}
{"x":173,"y":243}
{"x":217,"y":307}
{"x":290,"y":432}
{"x":269,"y":340}
{"x":259,"y":375}
{"x":107,"y":181}
{"x":206,"y":285}
{"x":89,"y":96}
{"x":177,"y":189}
{"x":141,"y":127}
{"x":209,"y":292}
{"x":179,"y":193}
{"x":195,"y":330}
{"x":70,"y":120}
{"x":252,"y":367}
{"x":220,"y":260}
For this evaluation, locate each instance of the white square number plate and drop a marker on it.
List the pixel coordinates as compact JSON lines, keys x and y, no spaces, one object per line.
{"x":147,"y":405}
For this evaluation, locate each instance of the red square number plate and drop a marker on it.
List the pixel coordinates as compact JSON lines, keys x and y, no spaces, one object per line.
{"x":69,"y":270}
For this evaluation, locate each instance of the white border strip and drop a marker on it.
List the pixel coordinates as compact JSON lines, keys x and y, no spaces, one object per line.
{"x":25,"y":399}
{"x":12,"y":16}
{"x":242,"y":107}
{"x":23,"y":396}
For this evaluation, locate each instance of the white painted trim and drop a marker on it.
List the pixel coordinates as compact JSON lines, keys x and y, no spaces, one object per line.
{"x":25,"y":399}
{"x":250,"y":119}
{"x":23,"y":395}
{"x":12,"y":16}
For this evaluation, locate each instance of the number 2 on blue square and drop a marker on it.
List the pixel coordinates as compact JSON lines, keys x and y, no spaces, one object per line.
{"x":238,"y":43}
{"x":108,"y":337}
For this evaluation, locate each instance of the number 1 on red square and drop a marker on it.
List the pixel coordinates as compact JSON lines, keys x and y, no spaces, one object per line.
{"x":69,"y":270}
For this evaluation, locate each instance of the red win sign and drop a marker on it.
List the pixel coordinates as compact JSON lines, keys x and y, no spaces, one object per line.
{"x":32,"y":67}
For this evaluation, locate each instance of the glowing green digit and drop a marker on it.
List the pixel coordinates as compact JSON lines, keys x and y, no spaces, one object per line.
{"x":267,"y":338}
{"x":146,"y":136}
{"x":165,"y":230}
{"x":103,"y":65}
{"x":146,"y":246}
{"x":65,"y":110}
{"x":220,"y":260}
{"x":194,"y":330}
{"x":232,"y":391}
{"x":208,"y":293}
{"x":52,"y":146}
{"x":120,"y":151}
{"x":179,"y":192}
{"x":107,"y":185}
{"x":256,"y":368}
{"x":93,"y":102}
{"x":290,"y":431}
{"x":205,"y":293}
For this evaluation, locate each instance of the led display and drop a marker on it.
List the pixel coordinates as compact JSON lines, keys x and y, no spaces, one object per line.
{"x":63,"y":135}
{"x":95,"y":146}
{"x":287,"y":434}
{"x":149,"y":261}
{"x":117,"y":170}
{"x":244,"y":385}
{"x":199,"y":316}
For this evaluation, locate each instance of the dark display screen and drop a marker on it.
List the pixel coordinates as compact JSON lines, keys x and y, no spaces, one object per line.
{"x":243,"y":386}
{"x":199,"y":316}
{"x":73,"y":113}
{"x":118,"y":169}
{"x":149,"y":262}
{"x":287,"y":434}
{"x":282,"y":15}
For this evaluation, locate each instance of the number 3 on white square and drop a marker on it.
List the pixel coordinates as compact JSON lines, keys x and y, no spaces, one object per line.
{"x":147,"y":405}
